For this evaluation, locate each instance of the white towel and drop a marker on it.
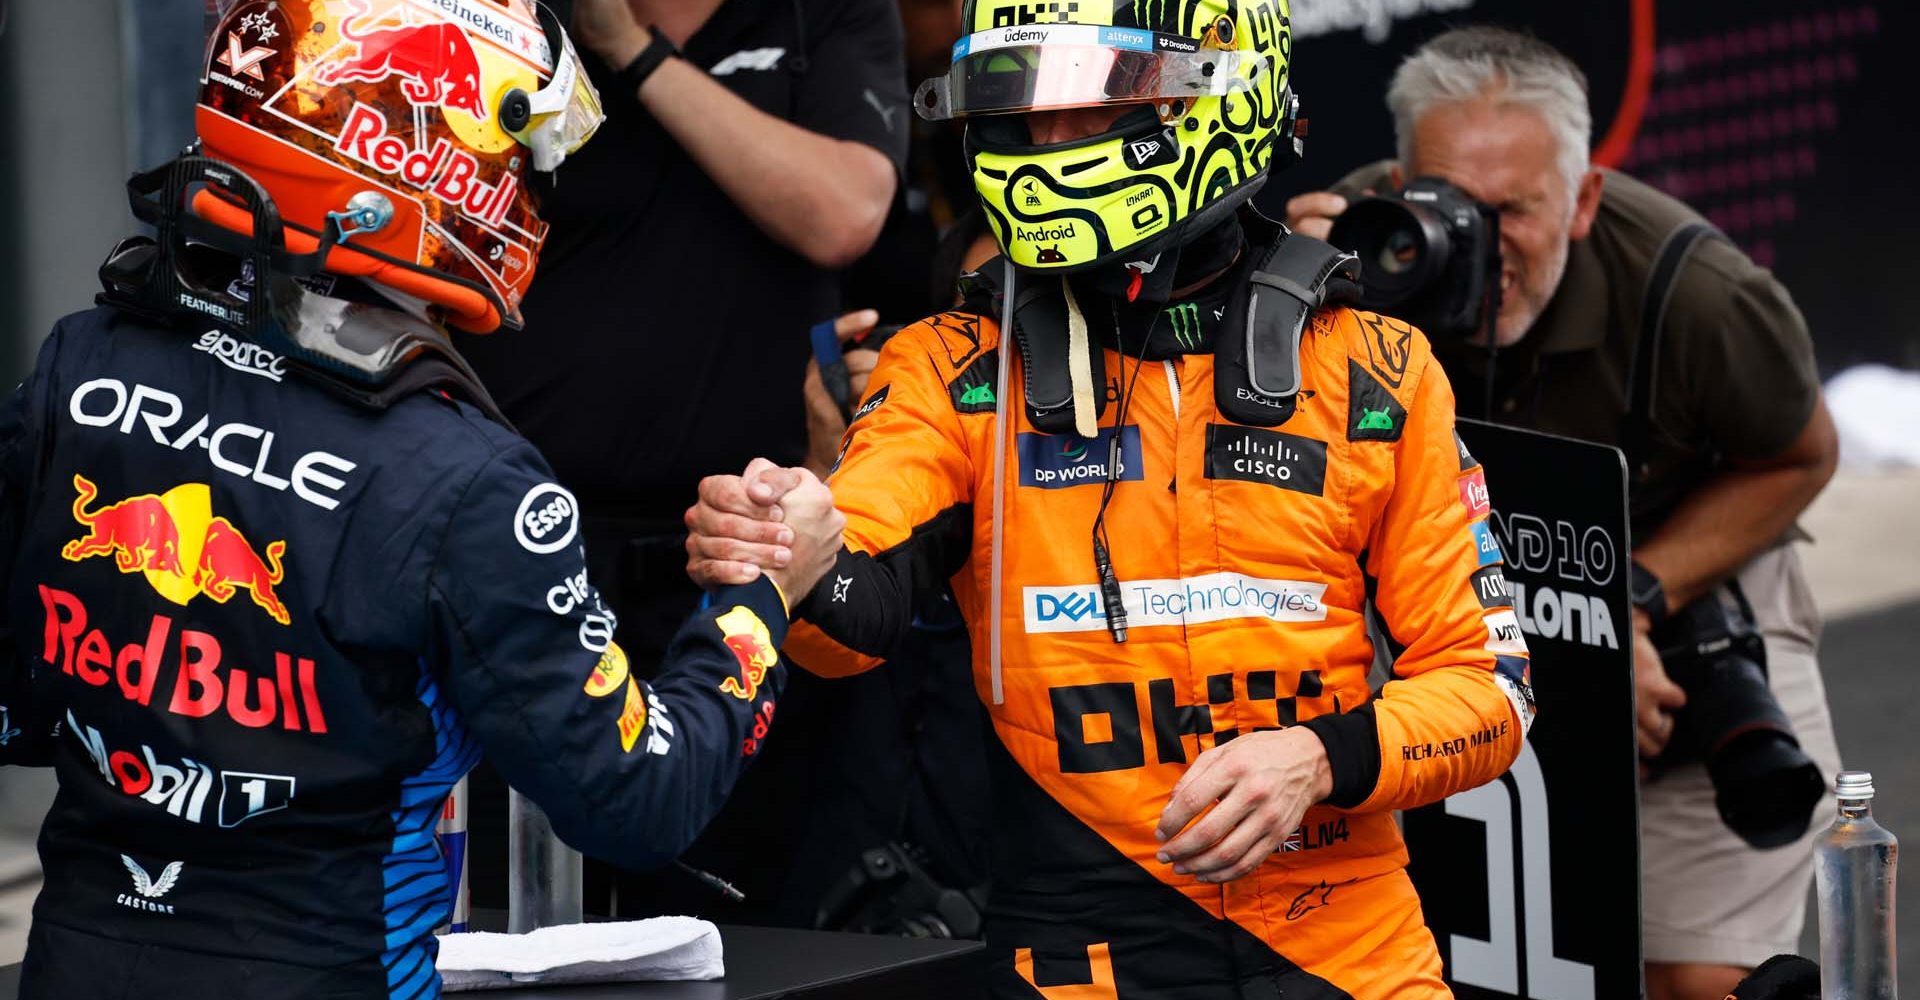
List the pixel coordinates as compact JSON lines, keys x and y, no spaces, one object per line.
{"x":660,"y":949}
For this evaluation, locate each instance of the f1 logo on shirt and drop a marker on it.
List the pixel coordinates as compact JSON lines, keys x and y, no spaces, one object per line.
{"x":1052,"y":461}
{"x":1485,"y":544}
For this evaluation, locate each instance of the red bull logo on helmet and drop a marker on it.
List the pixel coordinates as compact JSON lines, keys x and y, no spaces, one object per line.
{"x":434,"y":62}
{"x":449,"y":172}
{"x":752,"y":645}
{"x":174,"y":540}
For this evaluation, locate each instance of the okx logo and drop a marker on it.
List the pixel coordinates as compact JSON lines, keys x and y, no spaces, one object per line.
{"x":174,"y":540}
{"x":1052,"y":461}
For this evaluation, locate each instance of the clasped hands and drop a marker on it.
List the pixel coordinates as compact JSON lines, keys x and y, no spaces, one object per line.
{"x":771,"y":520}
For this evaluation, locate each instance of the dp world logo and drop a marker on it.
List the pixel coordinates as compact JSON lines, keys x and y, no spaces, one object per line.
{"x":1053,"y":461}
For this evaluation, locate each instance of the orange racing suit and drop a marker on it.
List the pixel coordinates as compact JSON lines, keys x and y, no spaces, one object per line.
{"x":1246,"y":557}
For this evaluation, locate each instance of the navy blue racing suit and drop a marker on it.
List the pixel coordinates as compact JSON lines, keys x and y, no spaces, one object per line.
{"x":260,"y":631}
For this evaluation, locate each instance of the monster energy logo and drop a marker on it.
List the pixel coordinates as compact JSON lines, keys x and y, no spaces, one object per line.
{"x":1185,"y":317}
{"x":1155,"y":14}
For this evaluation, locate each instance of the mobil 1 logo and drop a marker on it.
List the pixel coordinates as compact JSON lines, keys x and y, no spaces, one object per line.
{"x":1273,"y":458}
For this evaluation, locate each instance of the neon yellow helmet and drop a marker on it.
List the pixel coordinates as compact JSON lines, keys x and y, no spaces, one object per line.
{"x":1211,"y":79}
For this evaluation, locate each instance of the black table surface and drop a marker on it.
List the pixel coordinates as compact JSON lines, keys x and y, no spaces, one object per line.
{"x":767,"y":962}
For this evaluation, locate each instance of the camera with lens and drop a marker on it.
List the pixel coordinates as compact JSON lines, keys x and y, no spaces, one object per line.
{"x":1764,"y":785}
{"x":1429,"y":254}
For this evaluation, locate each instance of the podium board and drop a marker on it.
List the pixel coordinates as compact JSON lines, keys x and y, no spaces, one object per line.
{"x":1531,"y":884}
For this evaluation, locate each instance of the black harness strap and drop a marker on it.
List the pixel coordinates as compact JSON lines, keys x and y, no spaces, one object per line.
{"x":1636,"y":428}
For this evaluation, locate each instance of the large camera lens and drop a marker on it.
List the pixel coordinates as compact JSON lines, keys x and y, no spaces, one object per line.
{"x":1764,"y":785}
{"x":1429,"y":255}
{"x":1402,"y":247}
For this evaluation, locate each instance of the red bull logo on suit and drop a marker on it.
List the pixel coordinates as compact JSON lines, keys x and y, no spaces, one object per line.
{"x":162,"y":536}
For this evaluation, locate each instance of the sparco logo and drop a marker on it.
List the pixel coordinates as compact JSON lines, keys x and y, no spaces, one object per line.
{"x":450,"y":173}
{"x":148,"y":887}
{"x":1044,"y":233}
{"x":242,"y":356}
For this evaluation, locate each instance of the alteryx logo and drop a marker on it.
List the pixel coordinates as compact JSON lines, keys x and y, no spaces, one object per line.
{"x":1127,"y":38}
{"x":1485,"y":544}
{"x":962,"y":47}
{"x":1194,"y":600}
{"x":1051,"y":461}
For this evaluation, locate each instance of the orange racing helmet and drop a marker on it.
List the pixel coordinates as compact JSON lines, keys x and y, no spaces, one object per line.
{"x":397,"y":138}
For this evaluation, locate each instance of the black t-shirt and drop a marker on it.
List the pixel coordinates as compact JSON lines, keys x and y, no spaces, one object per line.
{"x":666,"y":335}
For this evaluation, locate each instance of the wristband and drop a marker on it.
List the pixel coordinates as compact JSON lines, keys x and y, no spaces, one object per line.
{"x":1648,"y":594}
{"x":636,"y":72}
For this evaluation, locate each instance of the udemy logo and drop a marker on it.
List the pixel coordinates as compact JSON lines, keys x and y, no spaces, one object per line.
{"x":174,"y":540}
{"x":1190,"y":601}
{"x":547,"y":520}
{"x":1053,"y":461}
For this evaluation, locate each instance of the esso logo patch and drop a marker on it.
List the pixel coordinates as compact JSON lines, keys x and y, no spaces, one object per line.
{"x":548,"y":519}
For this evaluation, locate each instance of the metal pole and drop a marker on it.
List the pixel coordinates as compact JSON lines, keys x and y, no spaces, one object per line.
{"x":543,"y":875}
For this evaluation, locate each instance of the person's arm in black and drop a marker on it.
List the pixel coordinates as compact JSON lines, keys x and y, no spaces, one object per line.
{"x":819,"y":185}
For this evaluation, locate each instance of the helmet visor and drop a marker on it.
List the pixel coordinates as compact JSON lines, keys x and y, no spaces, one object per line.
{"x":564,"y":114}
{"x":1032,"y":67}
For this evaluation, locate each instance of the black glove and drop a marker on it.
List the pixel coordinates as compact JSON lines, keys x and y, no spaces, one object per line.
{"x":1782,"y":977}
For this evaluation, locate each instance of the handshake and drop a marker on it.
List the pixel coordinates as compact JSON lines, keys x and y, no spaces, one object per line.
{"x":770,"y":520}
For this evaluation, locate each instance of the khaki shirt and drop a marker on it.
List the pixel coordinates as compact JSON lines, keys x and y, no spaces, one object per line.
{"x":1735,"y":378}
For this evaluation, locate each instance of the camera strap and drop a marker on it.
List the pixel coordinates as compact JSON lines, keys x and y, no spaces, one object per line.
{"x":1636,"y":428}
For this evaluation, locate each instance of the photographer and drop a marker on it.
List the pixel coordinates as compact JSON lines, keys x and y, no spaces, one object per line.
{"x":1735,"y":443}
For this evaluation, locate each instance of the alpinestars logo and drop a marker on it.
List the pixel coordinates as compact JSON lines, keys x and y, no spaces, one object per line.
{"x":149,"y":888}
